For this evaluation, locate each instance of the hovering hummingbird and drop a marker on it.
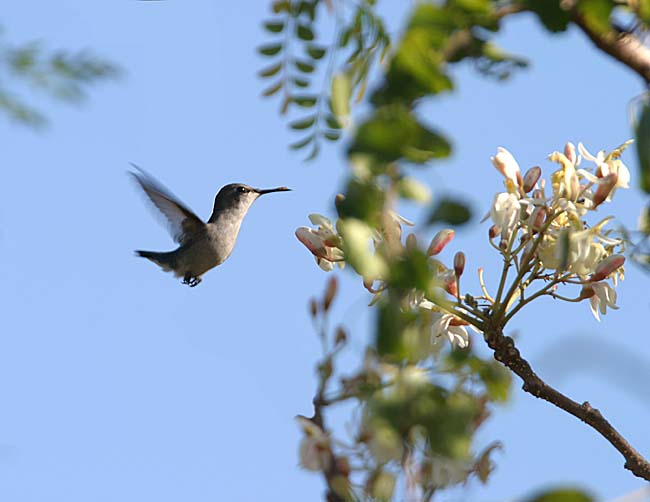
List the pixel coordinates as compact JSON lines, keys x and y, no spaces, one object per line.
{"x":202,"y":245}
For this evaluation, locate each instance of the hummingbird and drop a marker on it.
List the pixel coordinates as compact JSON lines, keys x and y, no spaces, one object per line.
{"x":203,"y":245}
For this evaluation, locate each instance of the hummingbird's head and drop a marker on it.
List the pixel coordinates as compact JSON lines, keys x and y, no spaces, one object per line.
{"x":239,"y":197}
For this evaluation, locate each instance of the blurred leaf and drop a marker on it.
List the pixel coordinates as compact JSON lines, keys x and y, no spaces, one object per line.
{"x":269,"y":71}
{"x":411,"y":188}
{"x":643,"y":147}
{"x":410,"y":271}
{"x":357,"y":236}
{"x":316,"y":52}
{"x":305,"y":32}
{"x":302,"y":143}
{"x":269,"y":91}
{"x":394,"y":132}
{"x":552,"y":16}
{"x":304,"y":101}
{"x":596,"y":14}
{"x":274,"y":26}
{"x":300,"y":82}
{"x":304,"y":66}
{"x":561,"y":495}
{"x":364,"y":201}
{"x":269,"y":49}
{"x":341,"y":91}
{"x":450,"y":211}
{"x":304,"y":123}
{"x":391,"y":322}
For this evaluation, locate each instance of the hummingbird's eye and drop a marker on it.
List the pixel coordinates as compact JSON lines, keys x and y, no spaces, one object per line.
{"x":242,"y":189}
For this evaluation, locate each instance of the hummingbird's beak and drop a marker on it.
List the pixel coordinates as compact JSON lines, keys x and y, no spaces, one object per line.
{"x":262,"y":191}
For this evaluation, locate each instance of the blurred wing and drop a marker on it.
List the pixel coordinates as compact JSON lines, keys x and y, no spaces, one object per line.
{"x":182,"y":222}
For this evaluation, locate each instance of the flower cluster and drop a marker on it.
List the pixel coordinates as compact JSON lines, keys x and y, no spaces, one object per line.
{"x":545,"y":230}
{"x":539,"y":228}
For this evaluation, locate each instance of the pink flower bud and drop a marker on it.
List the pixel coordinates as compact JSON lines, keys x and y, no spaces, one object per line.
{"x":330,"y":293}
{"x":605,"y":188}
{"x":494,"y":231}
{"x":537,"y":218}
{"x":531,"y":177}
{"x":440,"y":240}
{"x":459,"y":263}
{"x":451,"y":287}
{"x":570,"y":152}
{"x":607,"y":266}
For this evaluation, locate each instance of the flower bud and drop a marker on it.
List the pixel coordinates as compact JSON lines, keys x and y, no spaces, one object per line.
{"x":440,"y":240}
{"x":330,"y":293}
{"x":459,"y":263}
{"x":607,"y":266}
{"x":494,"y":231}
{"x":341,"y":337}
{"x":537,"y":218}
{"x":531,"y":177}
{"x":411,"y":242}
{"x":506,"y":164}
{"x":342,"y":465}
{"x":313,"y":307}
{"x":570,"y":152}
{"x":338,"y":200}
{"x":604,"y":189}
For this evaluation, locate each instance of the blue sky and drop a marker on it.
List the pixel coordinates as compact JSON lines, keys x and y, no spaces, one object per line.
{"x":117,"y":383}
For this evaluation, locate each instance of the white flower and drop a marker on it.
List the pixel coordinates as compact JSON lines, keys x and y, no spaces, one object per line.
{"x":604,"y":296}
{"x":448,"y":325}
{"x":508,"y":167}
{"x":315,"y":454}
{"x":505,"y":213}
{"x":323,"y":242}
{"x":607,"y":164}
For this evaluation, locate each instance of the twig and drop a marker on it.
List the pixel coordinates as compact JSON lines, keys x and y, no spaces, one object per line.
{"x":506,"y":353}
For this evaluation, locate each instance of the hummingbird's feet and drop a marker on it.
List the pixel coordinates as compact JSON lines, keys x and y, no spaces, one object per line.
{"x":191,"y":281}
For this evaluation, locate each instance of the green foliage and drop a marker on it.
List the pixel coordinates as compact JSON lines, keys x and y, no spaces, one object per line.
{"x":643,"y":147}
{"x":596,"y":14}
{"x":394,"y":133}
{"x":302,"y":75}
{"x":62,"y":75}
{"x":450,"y":211}
{"x":561,"y":495}
{"x":550,"y":13}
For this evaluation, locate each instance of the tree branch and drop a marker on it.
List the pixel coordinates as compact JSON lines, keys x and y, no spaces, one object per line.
{"x":622,"y":46}
{"x":506,"y":353}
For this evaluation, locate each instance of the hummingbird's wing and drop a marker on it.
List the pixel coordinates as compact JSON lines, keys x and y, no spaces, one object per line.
{"x":182,"y":222}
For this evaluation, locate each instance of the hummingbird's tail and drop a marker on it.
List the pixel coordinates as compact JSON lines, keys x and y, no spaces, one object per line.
{"x":165,"y":260}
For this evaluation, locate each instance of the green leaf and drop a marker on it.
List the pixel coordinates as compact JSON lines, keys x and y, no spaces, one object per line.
{"x":274,"y":26}
{"x":332,"y":135}
{"x":332,"y":122}
{"x":302,"y":143}
{"x":281,"y":6}
{"x":315,"y":51}
{"x":269,"y":71}
{"x":364,"y":200}
{"x":341,"y":92}
{"x":643,"y":147}
{"x":357,"y":236}
{"x":410,"y":188}
{"x":450,"y":211}
{"x":304,"y":123}
{"x":270,"y":91}
{"x":305,"y":32}
{"x":394,"y":132}
{"x":304,"y":101}
{"x":304,"y":66}
{"x":561,"y":495}
{"x":551,"y":15}
{"x":596,"y":14}
{"x":269,"y":49}
{"x":300,"y":82}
